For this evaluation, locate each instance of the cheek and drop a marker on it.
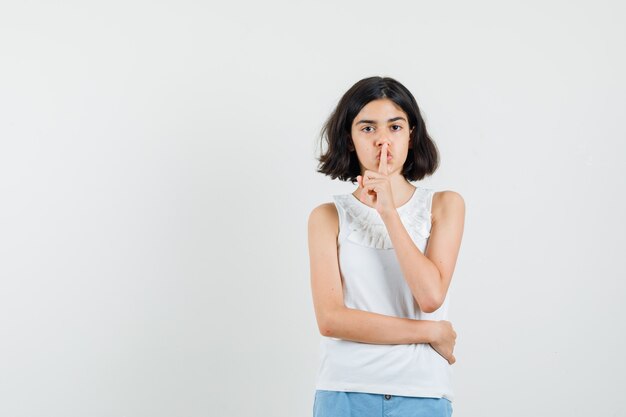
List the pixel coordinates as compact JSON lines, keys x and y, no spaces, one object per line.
{"x":402,"y":143}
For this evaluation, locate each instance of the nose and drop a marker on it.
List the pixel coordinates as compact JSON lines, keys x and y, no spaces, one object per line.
{"x":382,"y":136}
{"x":381,"y":140}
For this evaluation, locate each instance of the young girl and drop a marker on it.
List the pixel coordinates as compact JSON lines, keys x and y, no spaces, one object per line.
{"x":382,"y":260}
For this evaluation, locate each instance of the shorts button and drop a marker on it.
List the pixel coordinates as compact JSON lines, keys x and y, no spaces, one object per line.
{"x":387,"y":396}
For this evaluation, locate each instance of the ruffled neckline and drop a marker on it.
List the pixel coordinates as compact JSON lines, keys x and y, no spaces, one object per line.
{"x":367,"y":228}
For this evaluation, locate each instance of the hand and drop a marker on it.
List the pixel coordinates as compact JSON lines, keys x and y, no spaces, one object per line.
{"x":376,"y":187}
{"x":444,"y":340}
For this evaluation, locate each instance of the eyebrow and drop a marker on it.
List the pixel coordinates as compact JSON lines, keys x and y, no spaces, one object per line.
{"x":374,"y":122}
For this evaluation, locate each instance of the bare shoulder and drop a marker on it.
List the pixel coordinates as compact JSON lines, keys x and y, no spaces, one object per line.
{"x":324,"y":217}
{"x":447,"y":203}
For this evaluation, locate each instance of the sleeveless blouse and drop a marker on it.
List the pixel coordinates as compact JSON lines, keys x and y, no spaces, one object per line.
{"x":373,"y":281}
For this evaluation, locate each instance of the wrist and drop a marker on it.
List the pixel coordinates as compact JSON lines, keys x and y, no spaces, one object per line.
{"x":427,"y":331}
{"x":433,"y":334}
{"x":390,"y":215}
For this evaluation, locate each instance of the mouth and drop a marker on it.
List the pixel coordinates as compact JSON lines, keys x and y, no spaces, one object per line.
{"x":388,"y":156}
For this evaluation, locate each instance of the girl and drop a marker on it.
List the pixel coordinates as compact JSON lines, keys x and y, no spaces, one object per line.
{"x":382,"y":260}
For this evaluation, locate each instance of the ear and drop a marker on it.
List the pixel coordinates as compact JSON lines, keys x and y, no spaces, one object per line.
{"x":350,"y":144}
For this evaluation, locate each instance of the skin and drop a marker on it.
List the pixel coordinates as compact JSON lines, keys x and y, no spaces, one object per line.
{"x":381,"y":128}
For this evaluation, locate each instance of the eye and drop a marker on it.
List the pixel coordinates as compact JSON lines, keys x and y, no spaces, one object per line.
{"x":396,"y":126}
{"x":367,"y":127}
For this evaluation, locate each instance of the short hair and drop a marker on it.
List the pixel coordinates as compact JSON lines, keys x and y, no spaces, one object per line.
{"x":339,"y":162}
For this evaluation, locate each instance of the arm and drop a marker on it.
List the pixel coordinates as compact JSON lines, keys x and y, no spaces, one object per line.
{"x":334,"y":319}
{"x":429,"y":274}
{"x":367,"y":327}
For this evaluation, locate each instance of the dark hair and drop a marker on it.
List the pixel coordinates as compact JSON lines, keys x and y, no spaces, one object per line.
{"x":339,"y":162}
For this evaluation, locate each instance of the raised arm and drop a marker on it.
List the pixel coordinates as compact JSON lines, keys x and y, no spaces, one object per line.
{"x":429,"y":274}
{"x":334,"y":319}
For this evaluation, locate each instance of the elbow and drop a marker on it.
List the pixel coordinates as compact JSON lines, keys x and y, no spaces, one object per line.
{"x":430,"y":305}
{"x":326,"y":331}
{"x":328,"y":325}
{"x":326,"y":328}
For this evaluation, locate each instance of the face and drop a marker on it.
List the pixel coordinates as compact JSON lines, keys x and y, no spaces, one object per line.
{"x":381,"y":121}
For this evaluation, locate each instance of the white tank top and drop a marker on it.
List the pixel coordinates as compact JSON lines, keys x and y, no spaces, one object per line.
{"x":373,"y":281}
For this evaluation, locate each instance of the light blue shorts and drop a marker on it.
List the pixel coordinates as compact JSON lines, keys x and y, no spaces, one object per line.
{"x":361,"y":404}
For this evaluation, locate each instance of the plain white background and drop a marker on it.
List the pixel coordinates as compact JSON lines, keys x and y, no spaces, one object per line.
{"x":157,"y":170}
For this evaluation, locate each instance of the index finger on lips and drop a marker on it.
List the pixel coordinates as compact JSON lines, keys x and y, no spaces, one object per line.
{"x":382,"y":166}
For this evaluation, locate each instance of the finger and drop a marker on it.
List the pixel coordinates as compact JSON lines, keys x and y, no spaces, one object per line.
{"x":364,"y":183}
{"x":382,"y":166}
{"x":369,"y":190}
{"x":370,"y":175}
{"x":373,"y":185}
{"x":376,"y":186}
{"x":366,"y":189}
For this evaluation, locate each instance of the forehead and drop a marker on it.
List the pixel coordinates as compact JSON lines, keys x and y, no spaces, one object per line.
{"x":380,"y":110}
